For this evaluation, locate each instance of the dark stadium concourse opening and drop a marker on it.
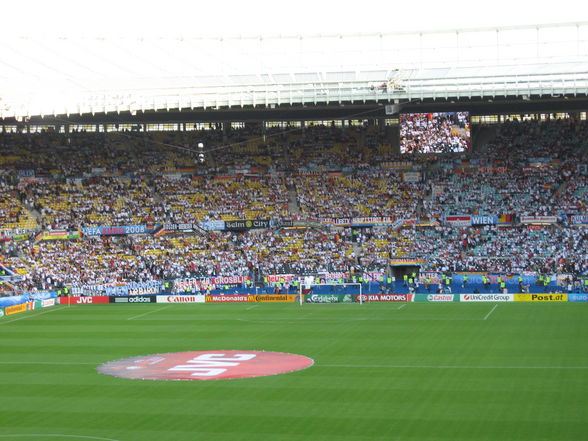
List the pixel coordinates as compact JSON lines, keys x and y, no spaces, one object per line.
{"x":400,"y":271}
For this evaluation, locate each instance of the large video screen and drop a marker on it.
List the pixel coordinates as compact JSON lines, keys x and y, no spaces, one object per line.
{"x":441,"y":132}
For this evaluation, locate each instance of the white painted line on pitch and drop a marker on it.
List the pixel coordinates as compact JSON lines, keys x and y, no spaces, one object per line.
{"x":148,"y":312}
{"x":491,"y":311}
{"x":55,"y":435}
{"x":387,"y":366}
{"x":32,"y":315}
{"x":250,"y":307}
{"x":401,"y":306}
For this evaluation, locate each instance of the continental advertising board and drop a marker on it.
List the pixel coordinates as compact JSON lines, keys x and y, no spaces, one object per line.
{"x":15,"y":309}
{"x":486,"y":298}
{"x":275,"y":298}
{"x":551,"y":297}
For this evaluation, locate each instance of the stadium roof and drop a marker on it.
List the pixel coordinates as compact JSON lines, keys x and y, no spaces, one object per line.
{"x":60,"y":75}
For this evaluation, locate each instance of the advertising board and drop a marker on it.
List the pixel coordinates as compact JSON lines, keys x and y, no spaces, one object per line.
{"x":577,"y":297}
{"x":486,"y":298}
{"x":48,"y":302}
{"x":328,"y":298}
{"x":383,"y":297}
{"x":551,"y":297}
{"x":88,"y":300}
{"x":132,"y":299}
{"x":179,"y":299}
{"x":272,"y":298}
{"x":436,"y":297}
{"x":229,"y":298}
{"x":15,"y":309}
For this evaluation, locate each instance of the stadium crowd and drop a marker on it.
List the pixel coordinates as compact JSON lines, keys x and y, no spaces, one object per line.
{"x":108,"y":179}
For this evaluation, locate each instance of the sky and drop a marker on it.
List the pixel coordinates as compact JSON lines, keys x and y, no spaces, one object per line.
{"x":229,"y":18}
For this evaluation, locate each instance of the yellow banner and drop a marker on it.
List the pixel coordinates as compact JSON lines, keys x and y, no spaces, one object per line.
{"x":558,"y":297}
{"x":276,"y":298}
{"x":15,"y":309}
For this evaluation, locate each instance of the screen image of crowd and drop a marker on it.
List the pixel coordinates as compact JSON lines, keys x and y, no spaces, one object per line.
{"x":441,"y":132}
{"x":306,"y":182}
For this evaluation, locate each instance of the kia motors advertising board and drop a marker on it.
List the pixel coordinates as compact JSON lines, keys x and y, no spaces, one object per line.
{"x":383,"y":297}
{"x":180,"y":299}
{"x":486,"y":298}
{"x":89,"y":300}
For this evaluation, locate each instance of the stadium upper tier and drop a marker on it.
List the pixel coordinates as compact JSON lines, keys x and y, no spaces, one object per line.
{"x":64,"y":76}
{"x":426,"y":205}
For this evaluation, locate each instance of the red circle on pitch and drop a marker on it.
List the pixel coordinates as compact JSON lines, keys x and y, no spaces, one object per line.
{"x":205,"y":365}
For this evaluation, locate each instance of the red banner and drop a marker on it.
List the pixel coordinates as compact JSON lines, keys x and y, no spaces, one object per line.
{"x":89,"y":300}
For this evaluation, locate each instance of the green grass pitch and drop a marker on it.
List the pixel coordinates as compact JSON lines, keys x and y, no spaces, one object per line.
{"x":386,"y":372}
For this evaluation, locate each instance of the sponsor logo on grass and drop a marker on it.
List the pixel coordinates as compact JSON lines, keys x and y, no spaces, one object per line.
{"x":578,"y":297}
{"x":552,"y":297}
{"x":180,"y":299}
{"x":487,"y":297}
{"x":205,"y":365}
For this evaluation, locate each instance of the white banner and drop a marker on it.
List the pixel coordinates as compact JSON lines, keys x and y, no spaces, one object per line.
{"x":486,"y":297}
{"x":180,"y":299}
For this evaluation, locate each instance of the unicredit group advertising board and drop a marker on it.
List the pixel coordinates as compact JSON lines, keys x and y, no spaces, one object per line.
{"x":486,"y":298}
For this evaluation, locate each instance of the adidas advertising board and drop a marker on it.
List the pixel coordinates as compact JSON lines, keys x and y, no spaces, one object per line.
{"x":486,"y":298}
{"x":133,"y":299}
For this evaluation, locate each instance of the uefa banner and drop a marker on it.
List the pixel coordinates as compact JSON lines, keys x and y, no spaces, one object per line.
{"x":486,"y":297}
{"x":384,"y":297}
{"x":559,"y":297}
{"x":577,"y":297}
{"x":436,"y":298}
{"x":179,"y":299}
{"x":329,"y":298}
